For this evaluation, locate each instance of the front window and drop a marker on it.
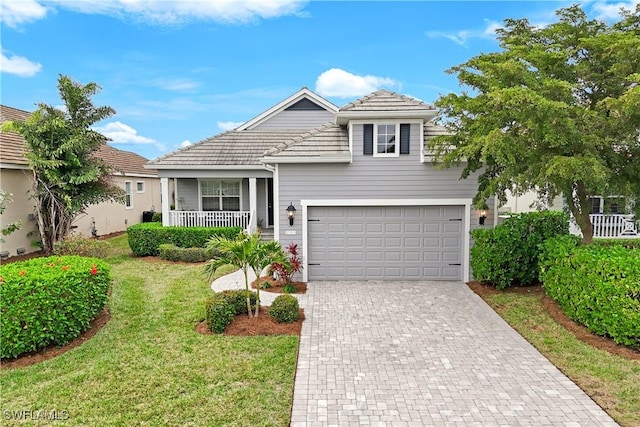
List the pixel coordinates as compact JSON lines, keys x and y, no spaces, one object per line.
{"x":140,"y":187}
{"x":127,"y":194}
{"x":386,"y":139}
{"x":220,"y":195}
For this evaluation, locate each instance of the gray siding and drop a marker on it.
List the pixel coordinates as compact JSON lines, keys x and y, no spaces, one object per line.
{"x":261,"y":209}
{"x":187,"y":193}
{"x":369,"y":177}
{"x":297,"y":119}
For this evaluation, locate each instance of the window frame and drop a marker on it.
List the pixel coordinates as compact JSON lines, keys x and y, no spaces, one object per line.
{"x":128,"y":194}
{"x":396,"y":125}
{"x":219,"y":196}
{"x":138,"y":186}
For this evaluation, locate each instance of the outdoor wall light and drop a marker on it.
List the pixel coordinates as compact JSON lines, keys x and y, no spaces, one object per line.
{"x":291,"y":213}
{"x":483,"y":216}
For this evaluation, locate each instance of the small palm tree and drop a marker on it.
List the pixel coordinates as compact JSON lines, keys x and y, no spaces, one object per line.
{"x":244,"y":252}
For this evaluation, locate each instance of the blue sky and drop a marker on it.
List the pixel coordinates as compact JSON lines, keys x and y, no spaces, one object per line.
{"x":179,"y":71}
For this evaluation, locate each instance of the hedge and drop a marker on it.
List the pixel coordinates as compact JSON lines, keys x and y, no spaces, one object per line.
{"x":220,"y":308}
{"x":596,"y":286}
{"x":171,"y":252}
{"x":145,"y":238}
{"x":49,"y":301}
{"x":627,"y":243}
{"x":508,"y":254}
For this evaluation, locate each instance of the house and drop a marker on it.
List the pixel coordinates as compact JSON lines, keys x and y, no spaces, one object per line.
{"x":353,"y":187}
{"x":142,"y":187}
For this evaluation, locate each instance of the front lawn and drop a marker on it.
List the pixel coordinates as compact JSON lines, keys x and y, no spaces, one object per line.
{"x":149,"y":366}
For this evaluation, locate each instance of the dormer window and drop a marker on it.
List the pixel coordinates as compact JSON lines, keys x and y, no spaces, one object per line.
{"x":381,"y":139}
{"x":386,"y":139}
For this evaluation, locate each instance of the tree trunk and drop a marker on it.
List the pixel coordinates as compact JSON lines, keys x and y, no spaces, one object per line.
{"x":246,"y":285}
{"x":580,"y":211}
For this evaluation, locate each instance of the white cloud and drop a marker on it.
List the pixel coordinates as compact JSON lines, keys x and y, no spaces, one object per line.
{"x":186,"y":143}
{"x":461,"y":37}
{"x":176,"y":84}
{"x":611,"y":11}
{"x":228,"y":125}
{"x":169,"y":12}
{"x":120,"y":133}
{"x":19,"y":65}
{"x":343,"y":84}
{"x":16,"y":12}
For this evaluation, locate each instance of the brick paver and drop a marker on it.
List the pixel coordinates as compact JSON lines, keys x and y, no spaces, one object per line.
{"x":424,"y":354}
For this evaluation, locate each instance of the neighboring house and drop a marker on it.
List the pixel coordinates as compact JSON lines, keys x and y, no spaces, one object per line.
{"x":611,"y":216}
{"x":365,"y":199}
{"x":142,"y":186}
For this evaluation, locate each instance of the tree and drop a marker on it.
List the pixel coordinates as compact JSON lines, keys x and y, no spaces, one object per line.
{"x":556,"y":111}
{"x":60,"y":146}
{"x":244,"y":252}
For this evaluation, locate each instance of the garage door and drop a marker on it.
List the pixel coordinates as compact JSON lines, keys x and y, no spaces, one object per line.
{"x":385,"y":242}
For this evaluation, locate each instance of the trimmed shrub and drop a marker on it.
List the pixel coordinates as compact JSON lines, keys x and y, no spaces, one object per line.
{"x":157,"y":217}
{"x":221,"y":307}
{"x":144,"y":238}
{"x":284,"y":309}
{"x":627,"y":243}
{"x":171,"y":252}
{"x":75,"y":244}
{"x":238,"y":299}
{"x":596,"y":286}
{"x":219,"y":313}
{"x":508,"y":254}
{"x":49,"y":301}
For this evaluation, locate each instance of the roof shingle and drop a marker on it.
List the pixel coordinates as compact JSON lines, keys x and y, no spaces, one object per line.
{"x":326,"y":140}
{"x":384,"y":100}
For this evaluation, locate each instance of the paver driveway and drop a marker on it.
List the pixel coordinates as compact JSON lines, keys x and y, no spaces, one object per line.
{"x":424,"y":354}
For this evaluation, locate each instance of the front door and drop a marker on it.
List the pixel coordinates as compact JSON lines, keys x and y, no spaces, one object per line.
{"x":269,"y":202}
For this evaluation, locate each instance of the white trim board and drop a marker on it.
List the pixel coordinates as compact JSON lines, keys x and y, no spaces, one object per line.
{"x":466,"y":239}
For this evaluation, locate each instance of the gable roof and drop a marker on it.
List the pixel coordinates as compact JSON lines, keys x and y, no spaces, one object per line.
{"x":12,"y":149}
{"x":243,"y":149}
{"x":291,"y":101}
{"x":326,"y":143}
{"x":385,"y":104}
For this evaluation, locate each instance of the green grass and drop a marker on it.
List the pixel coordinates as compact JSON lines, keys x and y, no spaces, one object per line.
{"x":149,"y":366}
{"x":612,"y":381}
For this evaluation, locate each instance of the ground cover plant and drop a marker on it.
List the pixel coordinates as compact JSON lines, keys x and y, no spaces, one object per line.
{"x":148,"y":365}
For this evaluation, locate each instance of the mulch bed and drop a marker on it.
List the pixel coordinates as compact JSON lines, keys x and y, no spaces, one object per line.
{"x":51,"y":352}
{"x":582,"y":333}
{"x":277,"y":285}
{"x":244,"y":325}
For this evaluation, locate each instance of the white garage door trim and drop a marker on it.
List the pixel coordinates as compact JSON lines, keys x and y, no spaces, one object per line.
{"x":305,"y":204}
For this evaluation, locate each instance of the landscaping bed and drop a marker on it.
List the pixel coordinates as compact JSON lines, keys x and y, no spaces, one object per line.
{"x":276,"y":286}
{"x":243,"y":325}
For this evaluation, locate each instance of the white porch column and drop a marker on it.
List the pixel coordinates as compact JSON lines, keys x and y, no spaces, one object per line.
{"x":253,"y":202}
{"x":164,"y":189}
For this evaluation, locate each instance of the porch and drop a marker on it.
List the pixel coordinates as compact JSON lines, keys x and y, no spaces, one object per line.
{"x":615,"y":226}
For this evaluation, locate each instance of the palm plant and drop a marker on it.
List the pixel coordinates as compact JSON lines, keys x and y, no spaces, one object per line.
{"x":244,"y":252}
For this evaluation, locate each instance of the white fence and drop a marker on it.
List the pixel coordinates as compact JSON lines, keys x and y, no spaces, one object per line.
{"x":210,"y":219}
{"x":614,"y":226}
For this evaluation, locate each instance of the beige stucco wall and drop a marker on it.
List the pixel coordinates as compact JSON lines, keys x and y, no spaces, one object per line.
{"x":18,"y":183}
{"x":109,"y":217}
{"x":113,"y":217}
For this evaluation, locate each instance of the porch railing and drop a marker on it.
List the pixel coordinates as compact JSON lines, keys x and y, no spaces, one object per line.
{"x":210,"y":219}
{"x":614,"y":226}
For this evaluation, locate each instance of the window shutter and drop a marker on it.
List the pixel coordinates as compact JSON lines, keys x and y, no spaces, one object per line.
{"x":367,"y":131}
{"x":405,"y":134}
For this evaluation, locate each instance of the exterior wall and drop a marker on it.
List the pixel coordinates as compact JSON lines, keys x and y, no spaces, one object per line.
{"x":109,"y":217}
{"x":526,"y":203}
{"x":18,"y":183}
{"x":114,"y":217}
{"x":368,"y":177}
{"x":297,"y":119}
